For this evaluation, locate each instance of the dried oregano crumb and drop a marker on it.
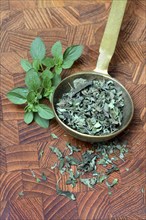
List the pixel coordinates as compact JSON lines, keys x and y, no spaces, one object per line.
{"x":93,"y":107}
{"x":86,"y":169}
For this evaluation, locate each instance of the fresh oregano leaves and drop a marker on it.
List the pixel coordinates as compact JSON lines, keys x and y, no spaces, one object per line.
{"x":48,"y":62}
{"x":31,"y":97}
{"x":28,"y":117}
{"x":36,"y":65}
{"x":42,"y":77}
{"x":58,"y":69}
{"x":67,"y":64}
{"x":18,"y":96}
{"x":38,"y":49}
{"x":41,"y":121}
{"x":47,"y":73}
{"x":45,"y":112}
{"x":26,"y":65}
{"x":56,"y":79}
{"x":32,"y":80}
{"x":72,"y":53}
{"x":57,"y":51}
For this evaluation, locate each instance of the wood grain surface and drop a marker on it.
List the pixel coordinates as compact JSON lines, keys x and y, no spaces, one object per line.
{"x":71,"y":22}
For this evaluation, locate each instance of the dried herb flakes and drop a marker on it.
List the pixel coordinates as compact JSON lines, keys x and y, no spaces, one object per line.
{"x":67,"y":194}
{"x":92,"y":107}
{"x":102,"y":154}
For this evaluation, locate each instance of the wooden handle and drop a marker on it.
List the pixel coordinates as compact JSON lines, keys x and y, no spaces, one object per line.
{"x":110,"y":36}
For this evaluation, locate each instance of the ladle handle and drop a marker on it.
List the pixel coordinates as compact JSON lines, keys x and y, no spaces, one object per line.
{"x":110,"y":36}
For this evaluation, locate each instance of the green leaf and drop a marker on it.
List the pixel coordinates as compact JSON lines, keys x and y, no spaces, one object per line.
{"x":90,"y":182}
{"x":33,"y":173}
{"x":47,"y":73}
{"x":77,"y":174}
{"x":102,"y":178}
{"x":57,"y":152}
{"x":48,"y":92}
{"x":58,"y":69}
{"x":51,"y":92}
{"x":57,"y":50}
{"x":18,"y":95}
{"x":61,"y":163}
{"x":71,"y":182}
{"x":31,"y":97}
{"x":32,"y":80}
{"x":38,"y":180}
{"x":45,"y":112}
{"x":37,"y":49}
{"x":72,"y":148}
{"x":73,"y":53}
{"x":36,"y":64}
{"x":26,"y":65}
{"x":115,"y":181}
{"x":50,"y":97}
{"x":21,"y":193}
{"x":72,"y":179}
{"x":68,"y":194}
{"x":72,"y":160}
{"x":54,"y":136}
{"x":46,"y":83}
{"x":40,"y":155}
{"x":56,"y":80}
{"x":49,"y":62}
{"x":67,"y":64}
{"x":110,"y":193}
{"x":58,"y":62}
{"x":54,"y":166}
{"x":112,"y":169}
{"x":41,"y":121}
{"x":28,"y":117}
{"x":44,"y":178}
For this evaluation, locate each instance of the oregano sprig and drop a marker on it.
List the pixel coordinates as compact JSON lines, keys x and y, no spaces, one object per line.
{"x":42,"y":77}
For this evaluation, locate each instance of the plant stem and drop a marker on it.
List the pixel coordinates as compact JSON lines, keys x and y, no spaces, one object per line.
{"x":41,"y":67}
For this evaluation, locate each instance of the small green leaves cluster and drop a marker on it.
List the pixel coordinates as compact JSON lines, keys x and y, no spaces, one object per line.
{"x":87,"y":169}
{"x":42,"y":77}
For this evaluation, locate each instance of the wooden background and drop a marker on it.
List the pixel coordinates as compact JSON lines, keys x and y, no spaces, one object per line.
{"x":71,"y":22}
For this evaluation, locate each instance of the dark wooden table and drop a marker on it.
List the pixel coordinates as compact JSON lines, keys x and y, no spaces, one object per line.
{"x":71,"y":22}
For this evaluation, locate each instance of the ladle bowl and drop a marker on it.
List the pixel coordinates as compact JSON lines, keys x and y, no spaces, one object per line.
{"x":106,"y":50}
{"x":64,"y":87}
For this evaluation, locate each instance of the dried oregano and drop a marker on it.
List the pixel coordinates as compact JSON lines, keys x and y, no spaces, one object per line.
{"x":93,"y":107}
{"x":86,"y":169}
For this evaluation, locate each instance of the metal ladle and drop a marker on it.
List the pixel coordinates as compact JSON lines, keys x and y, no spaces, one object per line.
{"x":106,"y":51}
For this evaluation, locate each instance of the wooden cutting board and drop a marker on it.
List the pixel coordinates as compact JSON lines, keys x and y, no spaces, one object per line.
{"x":71,"y":22}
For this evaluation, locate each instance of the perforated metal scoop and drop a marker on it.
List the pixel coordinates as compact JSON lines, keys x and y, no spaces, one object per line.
{"x":106,"y":51}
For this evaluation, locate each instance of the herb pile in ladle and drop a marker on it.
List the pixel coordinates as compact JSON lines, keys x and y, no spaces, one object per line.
{"x":87,"y":169}
{"x":93,"y":107}
{"x":42,"y":77}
